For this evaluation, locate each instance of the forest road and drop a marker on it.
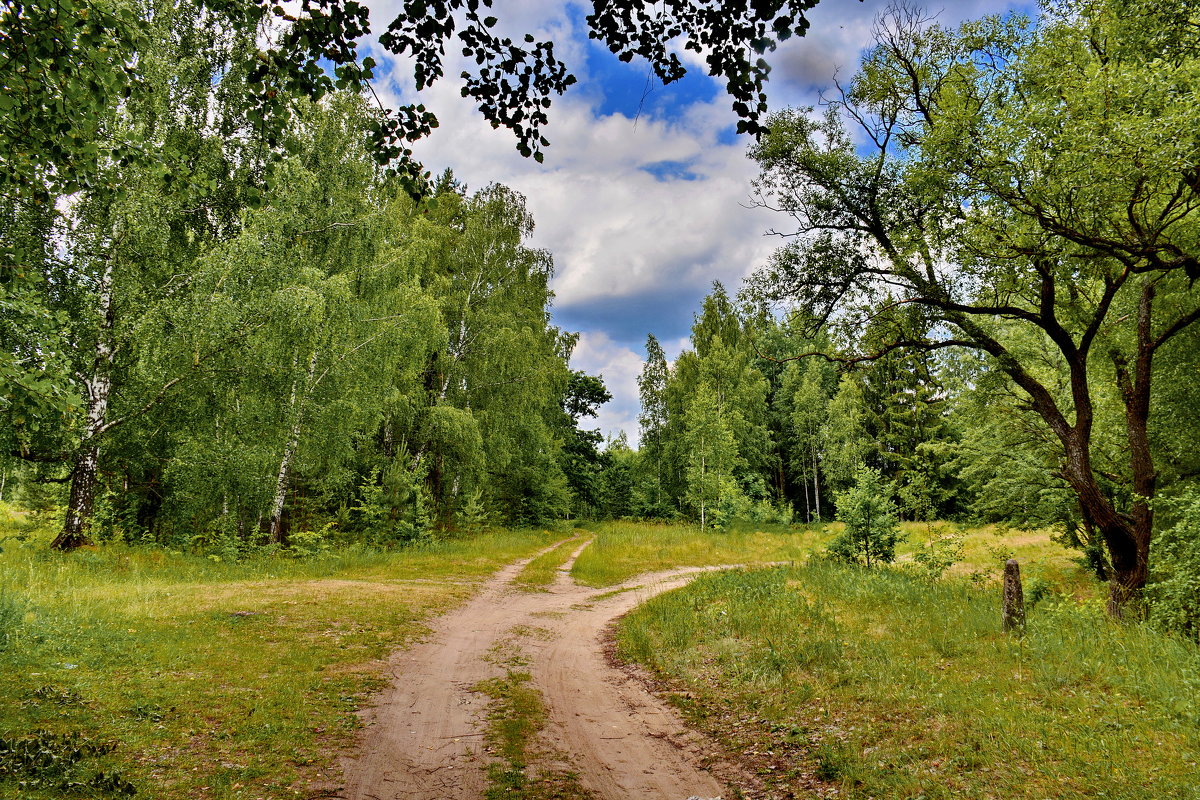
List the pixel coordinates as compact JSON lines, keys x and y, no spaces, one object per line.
{"x":424,"y":739}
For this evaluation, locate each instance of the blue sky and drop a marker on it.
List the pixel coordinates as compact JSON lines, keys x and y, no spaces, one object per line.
{"x":643,"y":198}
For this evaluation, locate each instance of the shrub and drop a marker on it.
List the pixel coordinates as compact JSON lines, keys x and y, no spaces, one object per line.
{"x":871,"y":528}
{"x":1173,"y":594}
{"x":941,"y":553}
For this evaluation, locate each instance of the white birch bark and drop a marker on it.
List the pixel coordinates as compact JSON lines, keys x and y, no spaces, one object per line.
{"x":98,"y":386}
{"x":296,"y":404}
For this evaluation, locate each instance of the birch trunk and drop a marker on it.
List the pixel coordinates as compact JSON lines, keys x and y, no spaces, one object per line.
{"x":816,"y":485}
{"x":98,"y":386}
{"x":807,"y":502}
{"x":296,"y":404}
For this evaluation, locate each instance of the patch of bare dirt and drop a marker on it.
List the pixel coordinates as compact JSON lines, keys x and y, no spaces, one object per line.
{"x":424,"y":739}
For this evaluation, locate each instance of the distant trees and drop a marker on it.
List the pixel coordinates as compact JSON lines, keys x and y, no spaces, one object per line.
{"x":734,"y":430}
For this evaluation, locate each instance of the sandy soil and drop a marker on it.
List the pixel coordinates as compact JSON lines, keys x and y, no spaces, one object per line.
{"x":424,"y":738}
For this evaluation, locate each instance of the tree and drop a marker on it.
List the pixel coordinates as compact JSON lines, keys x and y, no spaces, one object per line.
{"x":844,"y":433}
{"x":805,"y":400}
{"x":504,"y":365}
{"x":653,"y":421}
{"x":711,"y":457}
{"x":288,"y":333}
{"x":582,"y":463}
{"x":1015,"y":176}
{"x":617,"y":481}
{"x":871,"y":529}
{"x":79,"y":75}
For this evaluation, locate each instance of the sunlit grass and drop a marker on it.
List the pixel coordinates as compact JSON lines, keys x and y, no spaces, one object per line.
{"x":216,"y":680}
{"x":622,"y":550}
{"x":1045,"y":562}
{"x":883,"y":684}
{"x":542,"y":571}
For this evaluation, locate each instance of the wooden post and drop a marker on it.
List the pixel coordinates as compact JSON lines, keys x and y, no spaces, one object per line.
{"x":1014,"y":598}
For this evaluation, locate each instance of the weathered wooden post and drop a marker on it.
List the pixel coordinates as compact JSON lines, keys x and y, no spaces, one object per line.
{"x":1014,"y":598}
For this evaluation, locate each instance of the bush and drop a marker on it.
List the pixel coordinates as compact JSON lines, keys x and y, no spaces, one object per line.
{"x":1173,"y":594}
{"x":871,"y":529}
{"x":941,"y":553}
{"x":307,"y":543}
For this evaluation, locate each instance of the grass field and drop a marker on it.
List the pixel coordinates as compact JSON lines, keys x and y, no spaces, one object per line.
{"x":882,"y":684}
{"x":213,"y":680}
{"x":240,"y":680}
{"x":622,"y":550}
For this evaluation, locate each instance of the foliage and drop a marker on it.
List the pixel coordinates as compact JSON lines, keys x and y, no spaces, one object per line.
{"x":940,"y":553}
{"x":1014,"y":199}
{"x":515,"y":81}
{"x":1174,"y":590}
{"x":871,"y":530}
{"x":46,"y":760}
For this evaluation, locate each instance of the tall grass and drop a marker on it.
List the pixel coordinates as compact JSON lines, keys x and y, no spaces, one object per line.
{"x":887,"y":685}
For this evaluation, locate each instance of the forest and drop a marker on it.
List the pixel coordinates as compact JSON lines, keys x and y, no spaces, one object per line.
{"x":242,"y":328}
{"x":250,"y":338}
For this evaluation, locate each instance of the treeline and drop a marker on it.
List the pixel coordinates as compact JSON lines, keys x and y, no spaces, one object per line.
{"x":241,"y":339}
{"x":740,"y":427}
{"x":759,"y":422}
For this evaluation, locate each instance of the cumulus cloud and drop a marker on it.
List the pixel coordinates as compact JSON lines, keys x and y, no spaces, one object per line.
{"x":619,"y":366}
{"x":842,"y":31}
{"x":644,"y":207}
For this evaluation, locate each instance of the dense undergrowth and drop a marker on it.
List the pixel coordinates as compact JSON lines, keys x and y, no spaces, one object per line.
{"x":885,"y":684}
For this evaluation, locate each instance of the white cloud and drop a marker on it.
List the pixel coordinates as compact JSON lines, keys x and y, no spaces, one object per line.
{"x":619,"y":366}
{"x":627,"y":243}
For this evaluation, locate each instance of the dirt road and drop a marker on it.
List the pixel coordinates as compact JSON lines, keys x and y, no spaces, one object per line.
{"x":424,"y":740}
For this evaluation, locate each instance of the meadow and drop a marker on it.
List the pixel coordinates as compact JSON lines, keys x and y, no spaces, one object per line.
{"x":182,"y":675}
{"x":832,"y":680}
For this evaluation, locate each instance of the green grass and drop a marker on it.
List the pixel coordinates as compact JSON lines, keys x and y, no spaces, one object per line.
{"x":196,"y":678}
{"x":985,"y":548}
{"x":212,"y":679}
{"x":622,"y":550}
{"x":542,"y":571}
{"x":885,"y":685}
